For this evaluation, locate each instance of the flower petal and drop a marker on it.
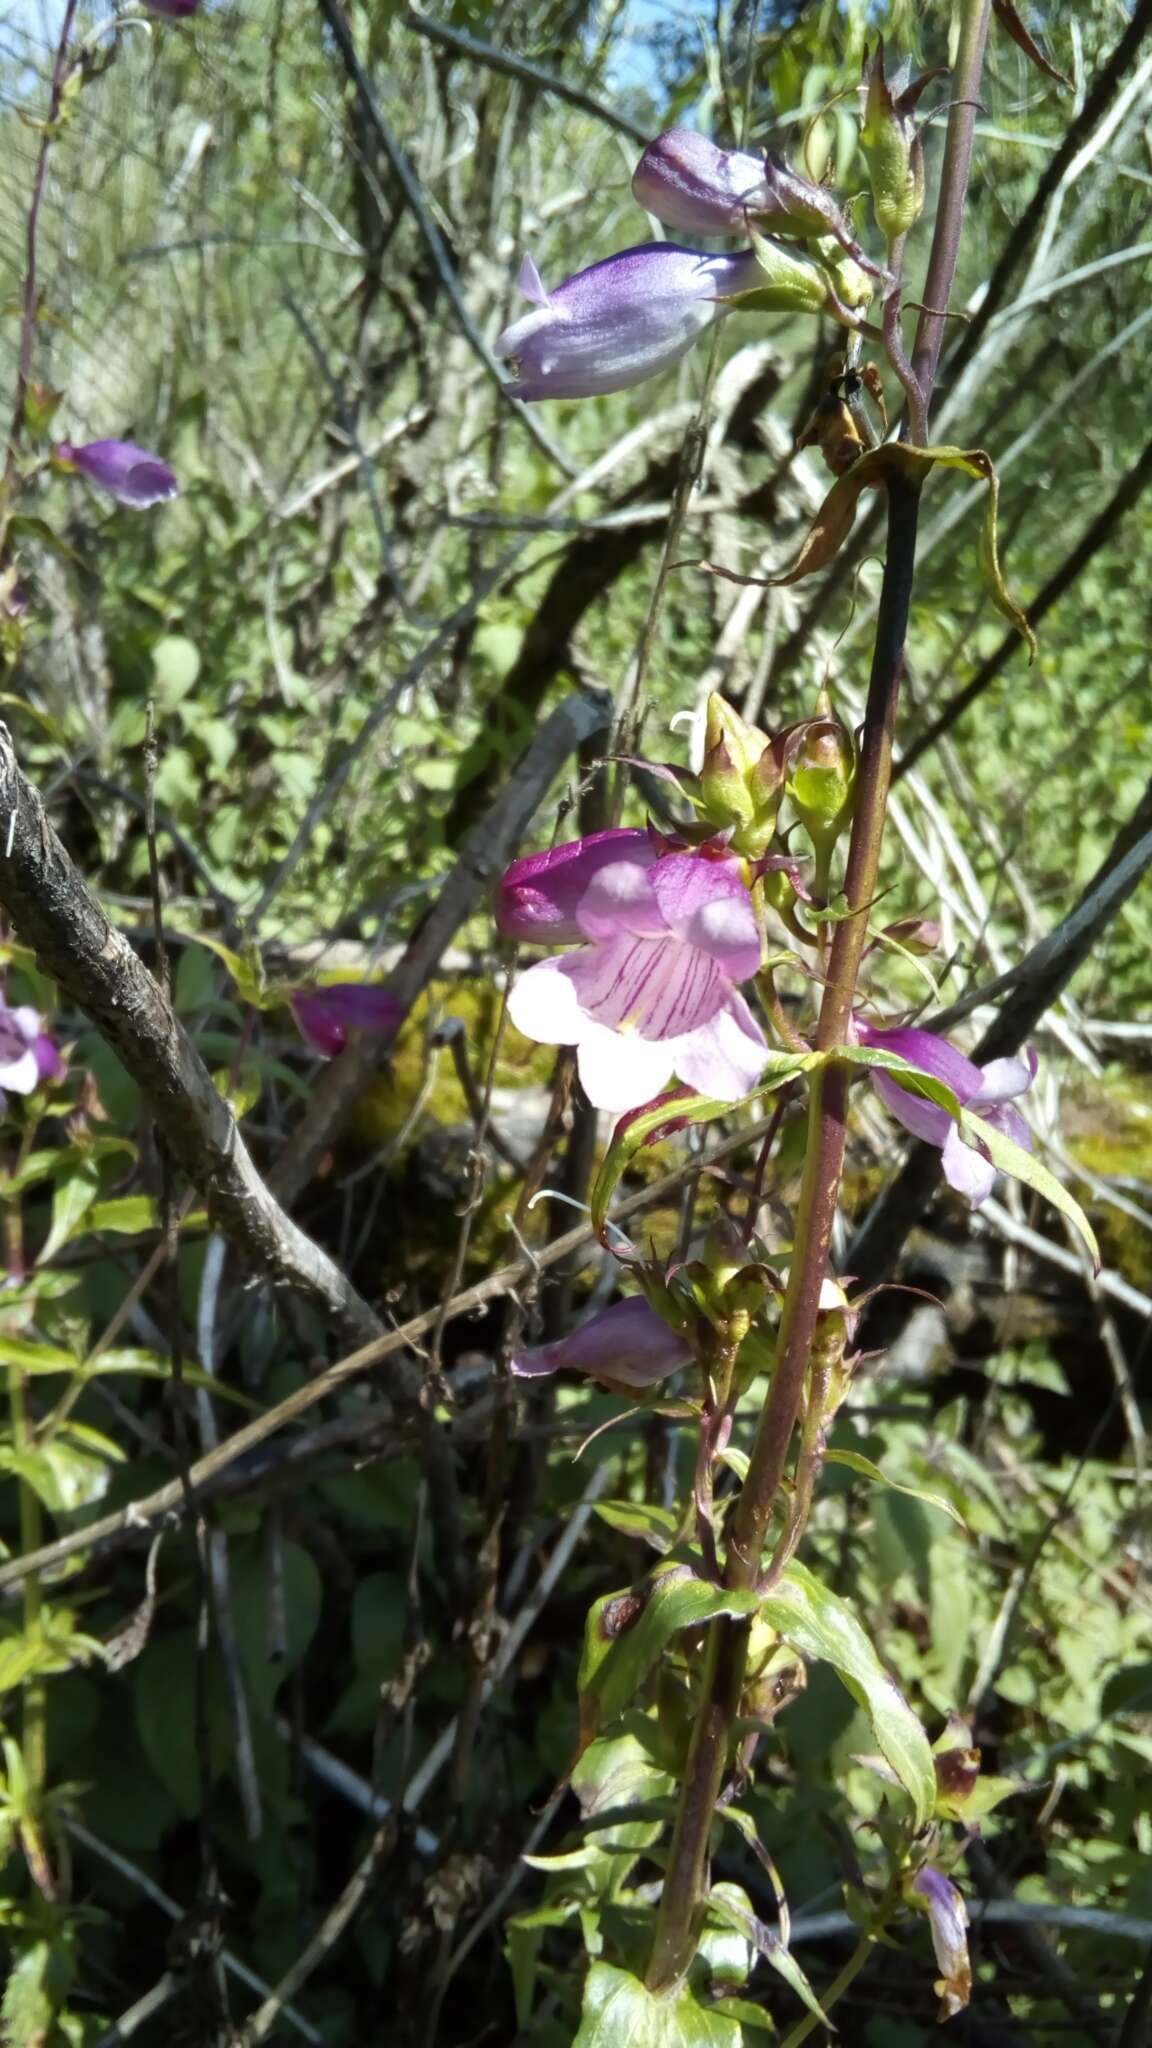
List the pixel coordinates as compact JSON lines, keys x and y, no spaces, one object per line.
{"x":706,"y":903}
{"x":1009,"y":1120}
{"x":543,"y":1004}
{"x":619,"y":1070}
{"x":628,"y":1345}
{"x":1001,"y":1080}
{"x":19,"y":1071}
{"x":326,"y":1015}
{"x":539,"y":894}
{"x":924,"y":1119}
{"x":621,"y":899}
{"x":657,"y":987}
{"x":725,"y":1057}
{"x":50,"y":1062}
{"x":965,"y":1169}
{"x":925,"y":1050}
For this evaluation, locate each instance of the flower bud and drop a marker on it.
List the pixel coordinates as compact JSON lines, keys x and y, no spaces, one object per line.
{"x":627,"y":1347}
{"x":690,"y":184}
{"x":891,"y":145}
{"x":735,"y":789}
{"x":823,"y":772}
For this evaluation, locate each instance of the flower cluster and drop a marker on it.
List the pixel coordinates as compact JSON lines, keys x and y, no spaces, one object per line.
{"x":667,"y":931}
{"x":636,"y":313}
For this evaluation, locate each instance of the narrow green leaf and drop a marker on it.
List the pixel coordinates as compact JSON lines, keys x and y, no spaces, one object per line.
{"x":867,"y":1470}
{"x":625,"y":1633}
{"x":74,"y":1196}
{"x":654,"y":1525}
{"x":125,"y":1213}
{"x":28,"y":1356}
{"x":1009,"y":1157}
{"x":821,"y":1625}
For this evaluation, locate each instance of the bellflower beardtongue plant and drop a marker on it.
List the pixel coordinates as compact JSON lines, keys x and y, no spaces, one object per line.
{"x":325,"y":1016}
{"x":690,"y":184}
{"x":627,"y":1345}
{"x":620,"y":321}
{"x":987,"y":1091}
{"x":129,"y":474}
{"x":654,"y":990}
{"x":28,"y":1054}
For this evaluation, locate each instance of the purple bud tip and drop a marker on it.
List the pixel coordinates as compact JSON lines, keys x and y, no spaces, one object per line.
{"x":325,"y":1016}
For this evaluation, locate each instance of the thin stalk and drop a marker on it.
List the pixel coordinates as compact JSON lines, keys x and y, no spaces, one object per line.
{"x":966,"y":75}
{"x":29,"y":316}
{"x":34,"y":1743}
{"x":684,"y":1886}
{"x":836,"y":1990}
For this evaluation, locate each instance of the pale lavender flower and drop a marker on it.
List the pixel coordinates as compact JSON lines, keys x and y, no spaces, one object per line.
{"x":129,"y":474}
{"x":987,"y":1091}
{"x":690,"y":184}
{"x":325,"y":1016}
{"x":937,"y":1896}
{"x":28,"y":1053}
{"x":627,"y":1345}
{"x":654,"y":990}
{"x":620,"y":321}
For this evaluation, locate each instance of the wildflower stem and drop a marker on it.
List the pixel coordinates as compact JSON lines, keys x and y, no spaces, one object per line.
{"x":30,"y":310}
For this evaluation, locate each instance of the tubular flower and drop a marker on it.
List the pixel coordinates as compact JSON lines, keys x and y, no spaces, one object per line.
{"x":620,"y":321}
{"x":987,"y":1091}
{"x":937,"y":1896}
{"x":325,"y":1016}
{"x":690,"y":184}
{"x":129,"y":474}
{"x":176,"y":10}
{"x":627,"y":1345}
{"x":654,"y":989}
{"x":28,"y":1054}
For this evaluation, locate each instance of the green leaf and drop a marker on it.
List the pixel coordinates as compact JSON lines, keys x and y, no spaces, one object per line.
{"x":125,"y":1213}
{"x":731,"y":1904}
{"x":620,"y":2012}
{"x":625,"y":1633}
{"x":820,"y":1624}
{"x":74,"y":1196}
{"x":1009,"y":1157}
{"x":28,"y":1356}
{"x":856,"y":1462}
{"x":640,"y":1518}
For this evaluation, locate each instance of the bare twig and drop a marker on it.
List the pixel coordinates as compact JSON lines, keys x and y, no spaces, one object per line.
{"x":519,"y":67}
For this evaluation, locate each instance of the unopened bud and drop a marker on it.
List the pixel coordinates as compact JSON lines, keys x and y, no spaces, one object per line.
{"x":892,"y":148}
{"x":823,"y":772}
{"x":788,"y":284}
{"x":735,"y":792}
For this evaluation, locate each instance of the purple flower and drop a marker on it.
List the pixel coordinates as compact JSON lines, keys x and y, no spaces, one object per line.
{"x":129,"y":474}
{"x":987,"y":1091}
{"x":325,"y":1016}
{"x":690,"y":184}
{"x":539,"y":894}
{"x":937,"y":1896}
{"x":654,"y":989}
{"x":28,"y":1054}
{"x":620,"y":321}
{"x":176,"y":10}
{"x":627,"y":1345}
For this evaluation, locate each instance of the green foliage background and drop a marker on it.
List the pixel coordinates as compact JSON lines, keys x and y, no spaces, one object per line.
{"x":231,"y":275}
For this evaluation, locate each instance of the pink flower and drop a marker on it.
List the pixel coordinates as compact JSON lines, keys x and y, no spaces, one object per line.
{"x":627,"y":1345}
{"x":28,"y":1055}
{"x":987,"y":1091}
{"x":129,"y":474}
{"x":619,"y":321}
{"x":654,"y":990}
{"x":325,"y":1016}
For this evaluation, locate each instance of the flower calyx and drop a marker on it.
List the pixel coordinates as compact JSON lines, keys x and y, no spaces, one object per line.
{"x":891,"y":143}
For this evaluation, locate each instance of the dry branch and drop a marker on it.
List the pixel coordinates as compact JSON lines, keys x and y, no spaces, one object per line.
{"x":54,"y":911}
